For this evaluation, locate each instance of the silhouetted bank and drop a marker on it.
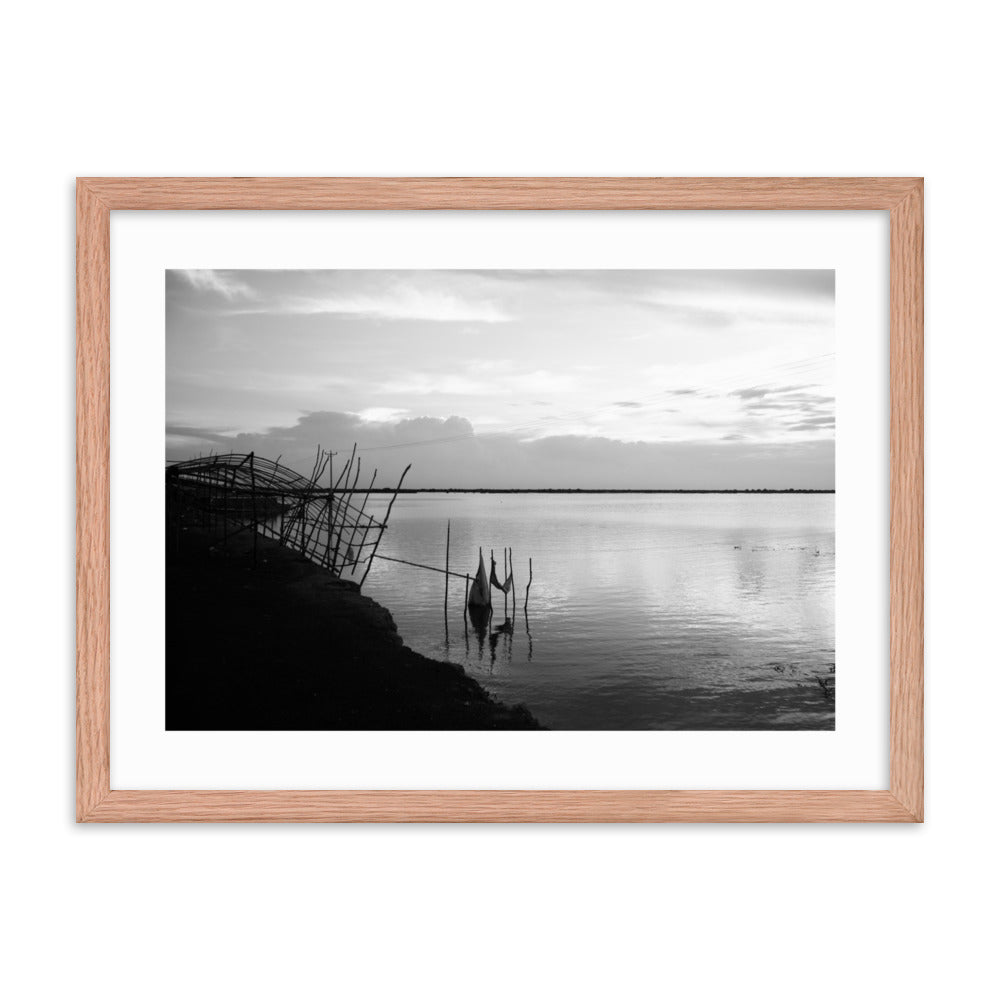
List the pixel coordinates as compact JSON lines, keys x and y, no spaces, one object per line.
{"x":285,"y":645}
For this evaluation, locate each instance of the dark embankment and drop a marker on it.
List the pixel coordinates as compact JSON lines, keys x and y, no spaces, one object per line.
{"x":284,"y":645}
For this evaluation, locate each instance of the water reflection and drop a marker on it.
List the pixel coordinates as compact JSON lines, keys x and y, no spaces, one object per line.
{"x":498,"y":639}
{"x":650,"y":611}
{"x":480,"y":618}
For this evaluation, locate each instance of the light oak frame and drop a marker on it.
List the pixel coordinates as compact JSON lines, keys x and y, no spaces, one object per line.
{"x":902,"y":198}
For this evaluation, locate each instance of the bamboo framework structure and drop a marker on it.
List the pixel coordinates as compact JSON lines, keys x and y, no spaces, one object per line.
{"x":327,"y":524}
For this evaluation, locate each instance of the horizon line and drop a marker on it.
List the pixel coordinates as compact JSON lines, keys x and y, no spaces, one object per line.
{"x":572,"y":489}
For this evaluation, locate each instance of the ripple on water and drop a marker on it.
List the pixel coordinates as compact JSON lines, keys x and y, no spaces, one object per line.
{"x":645,"y":612}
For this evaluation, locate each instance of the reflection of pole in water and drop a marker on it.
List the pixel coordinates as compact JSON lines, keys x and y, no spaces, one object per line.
{"x":480,"y":623}
{"x":447,"y":554}
{"x":465,"y":615}
{"x":527,"y":624}
{"x":505,"y":582}
{"x":507,"y":631}
{"x":513,"y":589}
{"x":447,"y":566}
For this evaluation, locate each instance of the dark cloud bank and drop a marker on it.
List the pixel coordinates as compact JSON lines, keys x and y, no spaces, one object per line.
{"x":448,"y":453}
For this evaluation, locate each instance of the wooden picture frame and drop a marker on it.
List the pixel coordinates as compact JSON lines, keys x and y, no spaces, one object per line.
{"x":902,"y":198}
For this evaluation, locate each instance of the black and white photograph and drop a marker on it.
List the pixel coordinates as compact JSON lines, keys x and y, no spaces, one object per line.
{"x":497,"y":500}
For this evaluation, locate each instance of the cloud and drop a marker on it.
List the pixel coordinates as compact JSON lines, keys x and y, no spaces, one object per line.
{"x":809,"y":398}
{"x":500,"y":383}
{"x":449,"y":453}
{"x":804,"y":409}
{"x":700,"y":316}
{"x":758,"y":392}
{"x":184,"y":433}
{"x":760,"y":406}
{"x":540,"y":380}
{"x":813,"y":423}
{"x":218,"y":282}
{"x":729,"y":298}
{"x":401,"y":303}
{"x":380,"y":414}
{"x":521,"y":354}
{"x":424,"y":384}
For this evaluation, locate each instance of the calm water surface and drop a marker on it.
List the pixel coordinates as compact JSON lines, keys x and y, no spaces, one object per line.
{"x":646,"y":611}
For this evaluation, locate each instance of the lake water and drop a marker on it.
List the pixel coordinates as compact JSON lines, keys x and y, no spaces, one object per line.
{"x":646,"y":611}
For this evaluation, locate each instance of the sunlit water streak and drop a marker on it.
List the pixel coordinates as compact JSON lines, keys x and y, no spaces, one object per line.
{"x":647,"y":611}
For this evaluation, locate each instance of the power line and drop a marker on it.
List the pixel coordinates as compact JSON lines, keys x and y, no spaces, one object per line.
{"x":417,"y":444}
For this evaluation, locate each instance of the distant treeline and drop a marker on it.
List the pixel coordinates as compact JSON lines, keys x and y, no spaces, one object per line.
{"x":463,"y":489}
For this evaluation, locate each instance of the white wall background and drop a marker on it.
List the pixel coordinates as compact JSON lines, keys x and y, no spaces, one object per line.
{"x":505,"y":88}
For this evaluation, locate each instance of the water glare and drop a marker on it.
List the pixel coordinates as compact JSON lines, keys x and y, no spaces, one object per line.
{"x":647,"y":611}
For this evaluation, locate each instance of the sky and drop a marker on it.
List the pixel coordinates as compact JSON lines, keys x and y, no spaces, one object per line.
{"x":610,"y":379}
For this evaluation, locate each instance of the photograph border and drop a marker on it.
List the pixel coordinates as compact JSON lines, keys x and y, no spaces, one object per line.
{"x":901,"y":197}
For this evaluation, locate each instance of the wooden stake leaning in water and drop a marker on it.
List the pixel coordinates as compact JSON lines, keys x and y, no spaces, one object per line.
{"x":253,"y":507}
{"x":357,"y":523}
{"x":329,"y":521}
{"x":528,"y":588}
{"x":314,"y":527}
{"x":343,"y":507}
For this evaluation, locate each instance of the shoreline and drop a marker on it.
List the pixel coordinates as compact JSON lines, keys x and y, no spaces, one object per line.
{"x":284,"y":645}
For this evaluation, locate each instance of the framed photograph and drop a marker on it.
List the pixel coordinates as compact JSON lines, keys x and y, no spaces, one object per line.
{"x":500,"y":499}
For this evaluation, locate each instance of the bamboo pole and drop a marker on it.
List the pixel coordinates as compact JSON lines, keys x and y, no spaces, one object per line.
{"x":243,"y":489}
{"x":447,"y":564}
{"x":253,"y":507}
{"x":363,"y":543}
{"x":465,"y":614}
{"x":225,"y":514}
{"x":416,"y":565}
{"x":505,"y":583}
{"x":313,"y":528}
{"x":513,"y":589}
{"x":306,"y":498}
{"x":382,"y":529}
{"x":357,"y":523}
{"x":342,"y":511}
{"x":329,"y":521}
